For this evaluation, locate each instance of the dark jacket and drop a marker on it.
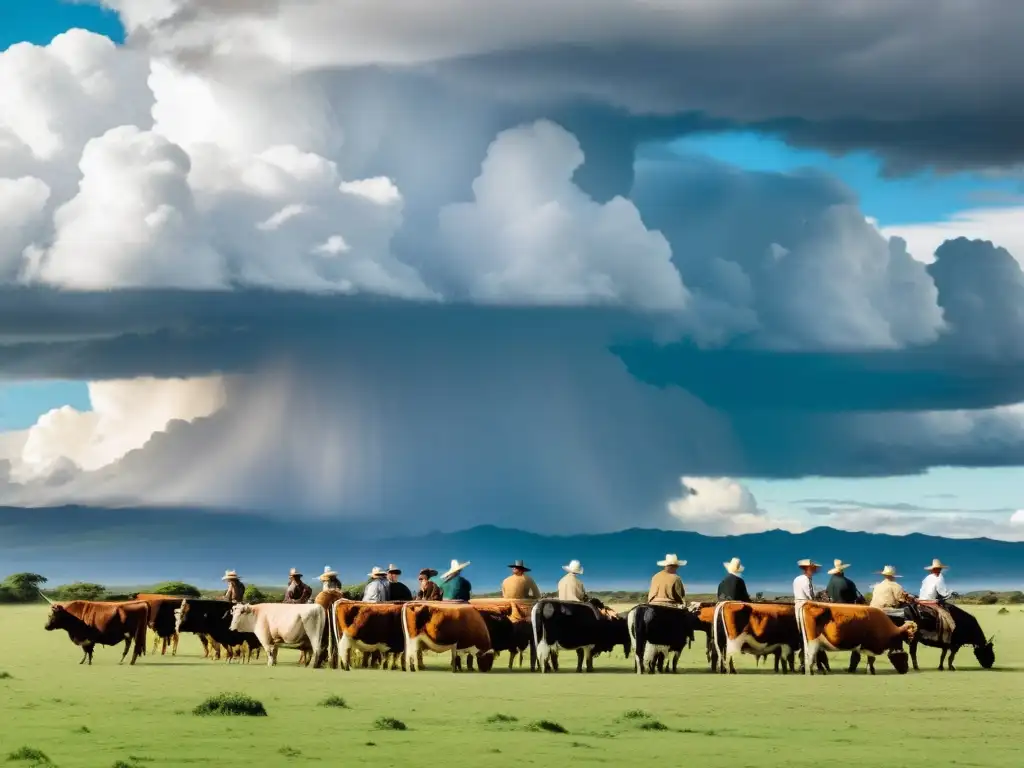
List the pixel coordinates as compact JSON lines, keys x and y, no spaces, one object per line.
{"x":235,"y":591}
{"x":430,"y":591}
{"x":733,"y":588}
{"x":297,"y":592}
{"x":398,"y":591}
{"x":841,"y":590}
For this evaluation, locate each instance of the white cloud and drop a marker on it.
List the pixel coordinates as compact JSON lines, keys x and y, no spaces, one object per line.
{"x":532,"y":234}
{"x":722,"y":506}
{"x":23,"y":202}
{"x":1017,"y":518}
{"x":1003,"y":226}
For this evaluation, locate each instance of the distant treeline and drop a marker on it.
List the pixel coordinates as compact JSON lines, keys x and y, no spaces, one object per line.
{"x":28,"y":587}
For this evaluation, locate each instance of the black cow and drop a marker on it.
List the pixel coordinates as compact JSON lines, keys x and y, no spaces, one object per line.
{"x":213,"y":619}
{"x":507,"y":635}
{"x":967,"y":631}
{"x":657,"y":631}
{"x":587,"y":628}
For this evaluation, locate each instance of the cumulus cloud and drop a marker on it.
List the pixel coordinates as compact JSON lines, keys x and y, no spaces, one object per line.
{"x":1000,"y":225}
{"x":474,"y":281}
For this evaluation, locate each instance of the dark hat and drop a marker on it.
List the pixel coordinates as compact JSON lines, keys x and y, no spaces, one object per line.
{"x":519,"y":564}
{"x":428,"y":572}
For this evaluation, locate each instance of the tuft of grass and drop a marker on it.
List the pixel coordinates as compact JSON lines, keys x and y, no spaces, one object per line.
{"x":549,"y":726}
{"x":6,"y":676}
{"x":289,"y":752}
{"x":83,"y":729}
{"x":500,"y":718}
{"x":231,"y":704}
{"x":334,"y":701}
{"x":29,"y":755}
{"x":1003,"y":610}
{"x":389,"y":724}
{"x":652,"y":725}
{"x":637,"y":714}
{"x":124,"y":764}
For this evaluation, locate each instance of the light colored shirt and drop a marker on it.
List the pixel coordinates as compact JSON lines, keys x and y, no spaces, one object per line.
{"x":571,"y":588}
{"x":667,"y":589}
{"x":376,"y":592}
{"x":520,"y":588}
{"x":803,"y":589}
{"x":887,"y":595}
{"x":933,"y":587}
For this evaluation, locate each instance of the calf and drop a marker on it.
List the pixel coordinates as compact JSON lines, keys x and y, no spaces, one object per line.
{"x":834,"y":627}
{"x":658,"y":630}
{"x":581,"y":627}
{"x":161,"y":620}
{"x":90,"y":623}
{"x":277,"y":624}
{"x":369,"y":628}
{"x":517,"y":636}
{"x":441,"y":627}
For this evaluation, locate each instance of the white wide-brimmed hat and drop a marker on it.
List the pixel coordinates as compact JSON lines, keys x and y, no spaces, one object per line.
{"x":328,"y":573}
{"x":807,"y":563}
{"x":837,"y":566}
{"x":228,"y":576}
{"x":734,"y":566}
{"x":375,"y":572}
{"x":392,"y":568}
{"x":889,"y":570}
{"x":671,"y":560}
{"x":573,"y":567}
{"x":456,"y":567}
{"x":936,"y":563}
{"x":293,"y":572}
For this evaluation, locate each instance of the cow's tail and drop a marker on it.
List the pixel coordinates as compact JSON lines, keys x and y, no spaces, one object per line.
{"x":640,"y":640}
{"x":535,"y":624}
{"x":716,"y":636}
{"x":335,"y":632}
{"x":318,"y":635}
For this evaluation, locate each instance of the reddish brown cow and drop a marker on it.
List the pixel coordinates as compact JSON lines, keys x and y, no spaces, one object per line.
{"x":441,"y":627}
{"x":369,"y":628}
{"x":833,"y":627}
{"x":515,"y":637}
{"x":90,"y":623}
{"x":761,"y":629}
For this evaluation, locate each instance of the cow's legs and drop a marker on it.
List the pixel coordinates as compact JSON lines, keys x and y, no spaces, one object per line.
{"x":952,"y":653}
{"x":811,"y":656}
{"x":156,"y":641}
{"x":127,"y":647}
{"x":871,"y":665}
{"x":855,"y":660}
{"x":913,"y":655}
{"x":174,"y":644}
{"x":942,"y":658}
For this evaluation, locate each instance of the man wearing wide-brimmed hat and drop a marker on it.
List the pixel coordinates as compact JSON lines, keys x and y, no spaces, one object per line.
{"x":934,"y":588}
{"x":396,"y":589}
{"x":297,"y":591}
{"x":236,"y":589}
{"x":519,"y":585}
{"x":376,"y":590}
{"x":454,"y":586}
{"x":329,"y":580}
{"x":888,"y":595}
{"x":666,"y":586}
{"x":840,"y":588}
{"x":570,"y":586}
{"x":803,"y":585}
{"x":733,"y":587}
{"x":428,"y":589}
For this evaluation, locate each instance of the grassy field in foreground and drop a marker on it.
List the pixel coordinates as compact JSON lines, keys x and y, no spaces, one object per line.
{"x":142,"y":716}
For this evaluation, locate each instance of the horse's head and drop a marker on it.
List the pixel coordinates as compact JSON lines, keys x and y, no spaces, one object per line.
{"x":986,"y":654}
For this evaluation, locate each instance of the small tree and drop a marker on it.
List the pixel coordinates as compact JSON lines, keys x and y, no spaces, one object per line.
{"x":353,"y":591}
{"x":81,"y":590}
{"x":24,"y":587}
{"x":1015,"y":598}
{"x":254,"y":594}
{"x":177,"y":589}
{"x":990,"y":599}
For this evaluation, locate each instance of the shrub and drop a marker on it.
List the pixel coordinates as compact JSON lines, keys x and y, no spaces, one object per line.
{"x":388,"y":724}
{"x":500,"y":718}
{"x":1003,"y":610}
{"x":990,"y":599}
{"x":353,"y":591}
{"x":1015,"y":598}
{"x":254,"y":594}
{"x":21,"y":588}
{"x":177,"y":589}
{"x":637,"y":714}
{"x":6,"y":676}
{"x":547,"y":725}
{"x":231,"y":704}
{"x":81,"y":590}
{"x":28,"y":755}
{"x":652,"y":725}
{"x":334,"y":701}
{"x":289,"y":752}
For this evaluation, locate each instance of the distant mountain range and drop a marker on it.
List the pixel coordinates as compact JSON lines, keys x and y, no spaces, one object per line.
{"x":147,"y":545}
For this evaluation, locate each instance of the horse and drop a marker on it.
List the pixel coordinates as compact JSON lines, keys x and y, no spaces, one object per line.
{"x":967,"y":631}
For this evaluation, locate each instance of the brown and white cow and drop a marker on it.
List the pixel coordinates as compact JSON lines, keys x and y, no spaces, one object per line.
{"x":441,"y":627}
{"x":370,"y":628}
{"x":760,"y":629}
{"x":90,"y":623}
{"x":326,"y":600}
{"x":515,"y":634}
{"x":833,"y":627}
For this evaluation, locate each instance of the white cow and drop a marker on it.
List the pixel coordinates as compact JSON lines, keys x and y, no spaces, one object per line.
{"x":290,"y":624}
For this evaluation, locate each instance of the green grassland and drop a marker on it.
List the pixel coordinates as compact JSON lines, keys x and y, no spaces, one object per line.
{"x":109,"y":715}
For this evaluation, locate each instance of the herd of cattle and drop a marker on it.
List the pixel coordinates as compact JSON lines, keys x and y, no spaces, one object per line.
{"x":332,"y":629}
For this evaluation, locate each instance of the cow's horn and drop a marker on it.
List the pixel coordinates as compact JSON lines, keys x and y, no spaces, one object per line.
{"x":45,"y":597}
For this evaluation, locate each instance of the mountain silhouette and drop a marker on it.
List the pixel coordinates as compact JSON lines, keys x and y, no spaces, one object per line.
{"x":136,"y":546}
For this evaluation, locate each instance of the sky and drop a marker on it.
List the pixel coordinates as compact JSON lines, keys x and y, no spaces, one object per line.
{"x":312,"y":260}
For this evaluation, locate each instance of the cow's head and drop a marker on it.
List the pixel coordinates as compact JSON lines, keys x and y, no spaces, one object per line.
{"x":179,"y":616}
{"x":58,"y":614}
{"x":986,"y":654}
{"x":241,"y":614}
{"x":900,"y":661}
{"x":485,"y":660}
